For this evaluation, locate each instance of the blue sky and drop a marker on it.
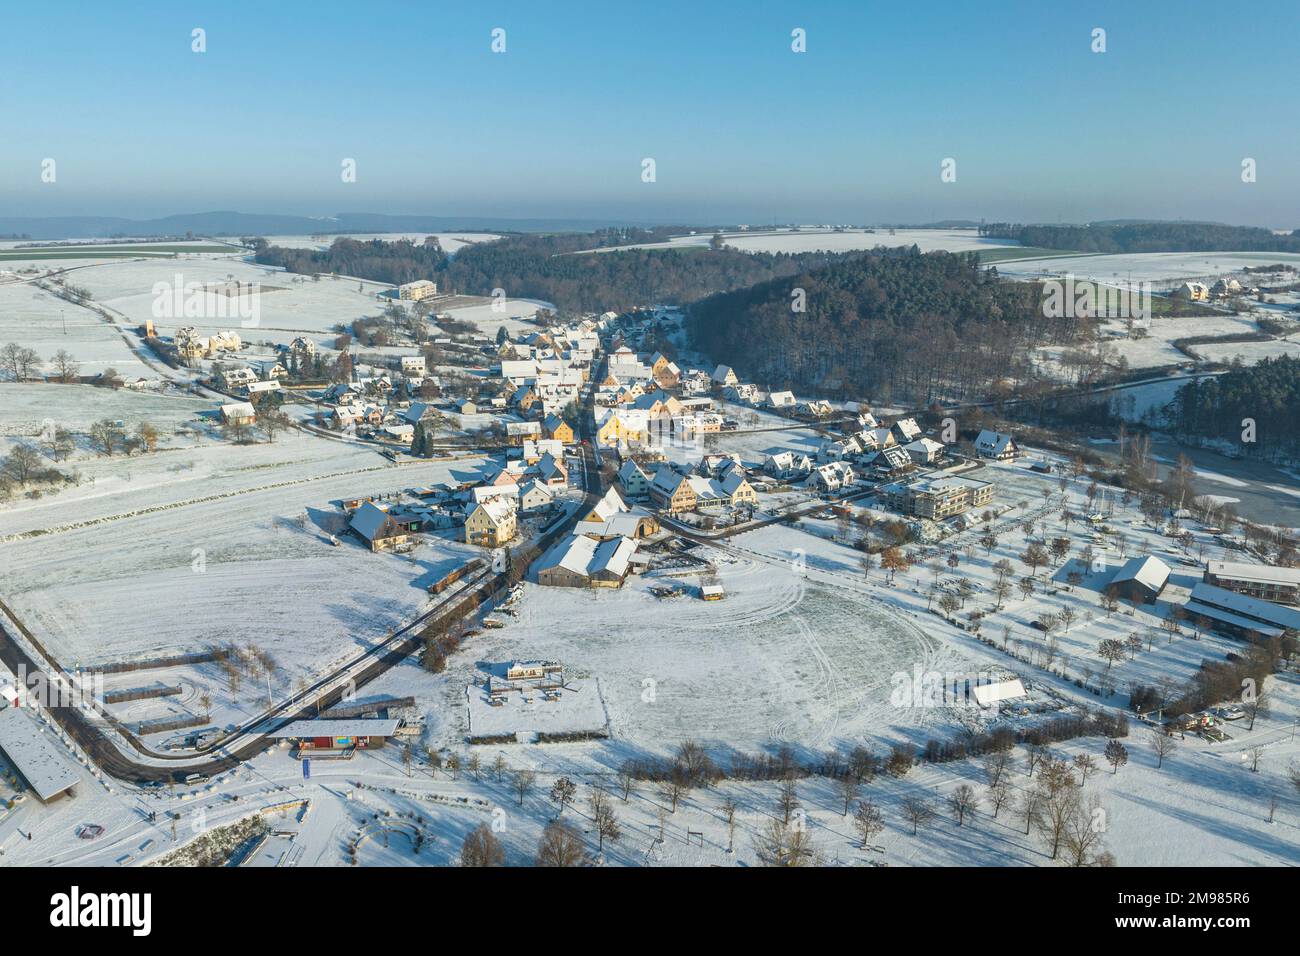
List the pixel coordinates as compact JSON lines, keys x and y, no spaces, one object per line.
{"x":741,"y":128}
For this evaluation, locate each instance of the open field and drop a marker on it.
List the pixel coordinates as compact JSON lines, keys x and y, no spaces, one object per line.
{"x":826,"y":240}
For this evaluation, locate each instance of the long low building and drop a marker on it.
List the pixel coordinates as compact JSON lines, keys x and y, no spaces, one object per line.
{"x":357,"y":734}
{"x":1239,"y":614}
{"x":48,"y":770}
{"x":1262,"y":581}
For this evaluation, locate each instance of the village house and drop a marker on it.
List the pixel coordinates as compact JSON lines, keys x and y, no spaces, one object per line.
{"x":832,"y":477}
{"x":535,"y":448}
{"x":724,"y":376}
{"x":238,"y":413}
{"x":635,"y":482}
{"x":518,"y":432}
{"x":780,"y":400}
{"x":924,"y":451}
{"x":534,"y":496}
{"x":787,"y":466}
{"x":233,"y":378}
{"x":906,"y":430}
{"x":996,"y":445}
{"x":557,"y":429}
{"x":413,"y":365}
{"x":490,"y":524}
{"x":465,"y":406}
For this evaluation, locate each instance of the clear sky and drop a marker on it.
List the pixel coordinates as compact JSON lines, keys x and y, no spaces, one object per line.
{"x":741,"y":128}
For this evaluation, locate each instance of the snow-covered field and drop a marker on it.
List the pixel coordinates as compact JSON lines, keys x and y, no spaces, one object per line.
{"x":1155,"y":267}
{"x":828,"y":240}
{"x":45,"y":323}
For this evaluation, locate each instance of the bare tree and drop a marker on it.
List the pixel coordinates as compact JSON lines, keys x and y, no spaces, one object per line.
{"x":562,"y":793}
{"x":560,"y":845}
{"x":916,"y":811}
{"x":963,"y":801}
{"x":1083,"y":834}
{"x":1163,"y":745}
{"x":606,"y":821}
{"x":779,"y":844}
{"x":847,"y":787}
{"x":524,"y":782}
{"x":868,"y":821}
{"x":482,"y":848}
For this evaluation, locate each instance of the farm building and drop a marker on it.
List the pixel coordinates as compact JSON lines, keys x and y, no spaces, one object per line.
{"x":377,"y":528}
{"x":711,"y":592}
{"x":1139,"y":580}
{"x":580,"y":561}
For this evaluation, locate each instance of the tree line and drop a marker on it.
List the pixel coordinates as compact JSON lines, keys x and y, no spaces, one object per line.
{"x":1145,"y":237}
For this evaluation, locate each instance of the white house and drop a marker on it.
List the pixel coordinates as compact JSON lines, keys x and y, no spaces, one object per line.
{"x":991,"y":444}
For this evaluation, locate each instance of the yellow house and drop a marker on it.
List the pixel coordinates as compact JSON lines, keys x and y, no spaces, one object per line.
{"x":491,"y":523}
{"x":616,"y":428}
{"x":558,"y":429}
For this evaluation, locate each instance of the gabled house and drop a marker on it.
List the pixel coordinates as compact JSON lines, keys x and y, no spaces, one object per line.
{"x":996,"y":445}
{"x":492,"y":523}
{"x":831,"y":477}
{"x":374,"y":525}
{"x":635,"y":482}
{"x":906,"y":430}
{"x":924,"y":451}
{"x":556,"y":428}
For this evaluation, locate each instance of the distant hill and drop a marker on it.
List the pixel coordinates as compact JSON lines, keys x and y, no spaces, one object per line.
{"x":256,"y":224}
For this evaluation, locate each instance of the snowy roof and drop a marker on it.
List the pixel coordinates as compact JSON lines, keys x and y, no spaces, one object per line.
{"x":607,"y":506}
{"x":1261,"y":573}
{"x":988,"y":694}
{"x":994,"y":443}
{"x":587,"y":556}
{"x":368,"y":520}
{"x":1265,"y":611}
{"x":924,"y":445}
{"x":42,"y":765}
{"x":1150,"y":572}
{"x":361,"y":727}
{"x":243,"y":409}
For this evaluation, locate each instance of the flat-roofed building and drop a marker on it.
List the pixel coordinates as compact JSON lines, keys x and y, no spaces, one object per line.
{"x":1263,"y":581}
